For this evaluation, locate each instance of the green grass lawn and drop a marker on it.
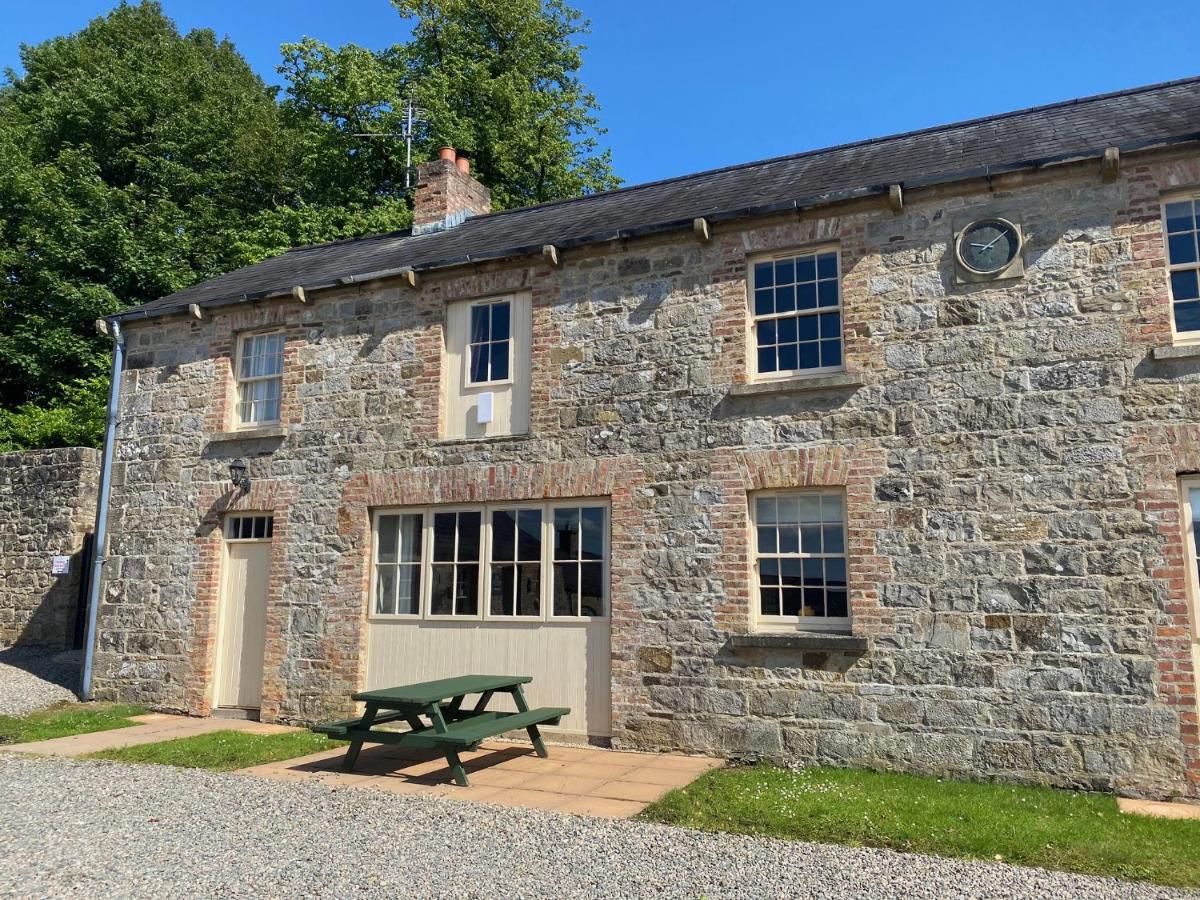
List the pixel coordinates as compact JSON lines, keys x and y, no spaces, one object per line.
{"x":67,"y":719}
{"x":1029,"y":826}
{"x":223,"y":751}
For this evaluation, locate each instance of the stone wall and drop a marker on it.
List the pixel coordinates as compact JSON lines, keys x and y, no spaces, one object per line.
{"x":1009,"y":452}
{"x":47,"y":507}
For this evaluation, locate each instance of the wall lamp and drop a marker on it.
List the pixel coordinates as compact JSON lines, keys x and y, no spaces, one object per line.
{"x":238,"y":475}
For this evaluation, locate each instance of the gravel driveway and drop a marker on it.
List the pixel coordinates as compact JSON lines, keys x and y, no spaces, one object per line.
{"x":31,"y":679}
{"x":85,"y":829}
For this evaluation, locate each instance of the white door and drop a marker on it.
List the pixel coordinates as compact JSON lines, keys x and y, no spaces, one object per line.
{"x":1191,"y":523}
{"x":242,"y":633}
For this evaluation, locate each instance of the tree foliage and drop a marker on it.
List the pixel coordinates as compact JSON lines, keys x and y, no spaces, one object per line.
{"x":135,"y":161}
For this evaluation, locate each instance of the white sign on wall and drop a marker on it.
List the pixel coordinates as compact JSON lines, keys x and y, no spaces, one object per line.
{"x":60,"y":565}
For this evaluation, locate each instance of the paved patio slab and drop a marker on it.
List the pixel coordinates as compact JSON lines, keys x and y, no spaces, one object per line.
{"x":1159,"y":809}
{"x":575,"y":779}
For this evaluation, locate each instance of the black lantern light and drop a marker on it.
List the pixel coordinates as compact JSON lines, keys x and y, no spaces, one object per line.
{"x":238,"y":475}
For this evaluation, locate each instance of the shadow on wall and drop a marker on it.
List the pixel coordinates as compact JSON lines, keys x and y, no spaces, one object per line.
{"x":57,"y":620}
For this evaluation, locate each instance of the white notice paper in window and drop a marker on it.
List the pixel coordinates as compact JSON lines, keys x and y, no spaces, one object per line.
{"x":483,"y":409}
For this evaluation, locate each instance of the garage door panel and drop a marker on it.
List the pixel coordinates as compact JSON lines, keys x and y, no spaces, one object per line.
{"x":569,"y":663}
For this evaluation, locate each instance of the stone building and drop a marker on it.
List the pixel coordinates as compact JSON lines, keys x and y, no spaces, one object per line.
{"x":878,"y":455}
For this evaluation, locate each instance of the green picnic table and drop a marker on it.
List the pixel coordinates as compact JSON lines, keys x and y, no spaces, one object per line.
{"x":451,"y":727}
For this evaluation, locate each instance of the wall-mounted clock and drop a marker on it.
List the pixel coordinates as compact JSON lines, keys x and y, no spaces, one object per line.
{"x":988,"y":250}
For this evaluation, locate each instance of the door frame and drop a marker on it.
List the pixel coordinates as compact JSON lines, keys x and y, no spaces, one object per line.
{"x":1187,"y":523}
{"x":220,"y":649}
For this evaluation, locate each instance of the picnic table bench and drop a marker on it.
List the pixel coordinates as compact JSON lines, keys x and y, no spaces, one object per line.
{"x":451,"y":726}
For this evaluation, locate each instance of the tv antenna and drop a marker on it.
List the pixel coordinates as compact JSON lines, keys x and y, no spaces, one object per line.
{"x":412,"y":115}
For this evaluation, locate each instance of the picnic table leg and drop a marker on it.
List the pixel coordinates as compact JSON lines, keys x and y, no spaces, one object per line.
{"x":457,"y":772}
{"x":356,"y":746}
{"x":535,"y":736}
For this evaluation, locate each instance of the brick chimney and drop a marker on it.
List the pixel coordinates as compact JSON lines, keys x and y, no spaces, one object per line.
{"x":447,"y":194}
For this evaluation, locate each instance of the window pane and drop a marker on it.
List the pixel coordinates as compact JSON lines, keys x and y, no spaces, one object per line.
{"x":504,"y":527}
{"x":440,"y":589}
{"x":836,"y":604}
{"x":785,"y":271}
{"x":1181,"y":248}
{"x":480,"y":321}
{"x":827,"y":265}
{"x":806,"y":328}
{"x":766,"y":332}
{"x":764,"y":302}
{"x":499,"y":361}
{"x":768,"y":571}
{"x":831,"y":353}
{"x":764,"y":275}
{"x":566,"y":589}
{"x":1179,"y":216}
{"x":827,"y":293}
{"x":468,"y":535}
{"x":443,"y":537}
{"x":806,"y":296}
{"x":806,"y":268}
{"x":593,"y":533}
{"x":785,"y":299}
{"x":411,"y":529}
{"x":834,"y":539}
{"x":769,"y":601}
{"x":835,"y":572}
{"x":529,"y":538}
{"x":566,"y":534}
{"x":793,"y":601}
{"x":529,"y":589}
{"x":500,"y":322}
{"x":385,"y":590}
{"x":1184,"y":285}
{"x":810,"y":357}
{"x":767,"y":539}
{"x":788,"y":358}
{"x":832,"y":508}
{"x":790,"y":572}
{"x":814,"y":602}
{"x":786,"y":330}
{"x":831,"y":325}
{"x":466,"y":595}
{"x":1187,"y":316}
{"x":501,"y":603}
{"x":810,"y":539}
{"x":409,"y":590}
{"x":767,"y":360}
{"x":480,"y":361}
{"x":789,"y":539}
{"x":764,"y":510}
{"x":814,"y":572}
{"x":810,"y":508}
{"x":591,"y":589}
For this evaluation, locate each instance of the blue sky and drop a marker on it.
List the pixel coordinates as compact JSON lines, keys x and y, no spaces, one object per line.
{"x":686,"y":86}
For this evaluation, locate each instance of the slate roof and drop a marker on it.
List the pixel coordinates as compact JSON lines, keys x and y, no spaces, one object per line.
{"x":1130,"y":120}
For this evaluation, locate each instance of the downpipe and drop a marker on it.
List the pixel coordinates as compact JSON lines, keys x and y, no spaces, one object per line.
{"x":100,"y":533}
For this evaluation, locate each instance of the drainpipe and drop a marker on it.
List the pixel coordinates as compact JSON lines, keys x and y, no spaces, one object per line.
{"x":100,"y":535}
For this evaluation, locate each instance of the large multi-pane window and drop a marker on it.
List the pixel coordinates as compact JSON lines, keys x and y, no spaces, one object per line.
{"x":542,"y":561}
{"x":1183,"y":259}
{"x":491,"y":342}
{"x":259,"y":378}
{"x":797,"y":314}
{"x":800,"y":558}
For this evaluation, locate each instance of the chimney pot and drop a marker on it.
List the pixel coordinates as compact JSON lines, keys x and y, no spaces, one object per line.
{"x":464,"y":164}
{"x":447,"y":153}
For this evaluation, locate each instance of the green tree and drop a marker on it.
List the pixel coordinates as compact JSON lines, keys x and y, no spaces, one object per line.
{"x":131,"y":158}
{"x":497,"y":78}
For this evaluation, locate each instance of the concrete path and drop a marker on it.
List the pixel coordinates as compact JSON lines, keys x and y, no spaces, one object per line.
{"x":154,"y":727}
{"x":574,"y":779}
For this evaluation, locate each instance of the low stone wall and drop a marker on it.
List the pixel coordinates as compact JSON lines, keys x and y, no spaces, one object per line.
{"x":47,"y":509}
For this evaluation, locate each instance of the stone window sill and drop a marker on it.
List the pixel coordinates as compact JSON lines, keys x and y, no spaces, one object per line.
{"x":801,"y":385}
{"x":250,"y":434}
{"x":793,"y":640}
{"x":487,"y":439}
{"x":1177,"y":351}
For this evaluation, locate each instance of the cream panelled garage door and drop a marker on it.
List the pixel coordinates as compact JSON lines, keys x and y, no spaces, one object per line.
{"x":511,"y":589}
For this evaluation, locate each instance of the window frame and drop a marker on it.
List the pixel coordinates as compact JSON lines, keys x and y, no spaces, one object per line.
{"x":242,"y":338}
{"x":765,"y":623}
{"x":754,"y":375}
{"x":485,"y":615}
{"x":1188,"y":526}
{"x":469,"y":346}
{"x":1177,"y":336}
{"x":268,"y":527}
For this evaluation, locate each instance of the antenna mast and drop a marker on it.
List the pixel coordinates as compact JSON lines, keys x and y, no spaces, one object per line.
{"x":412,"y":115}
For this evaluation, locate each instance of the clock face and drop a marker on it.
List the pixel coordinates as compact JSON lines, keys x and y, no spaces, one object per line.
{"x":989,"y":245}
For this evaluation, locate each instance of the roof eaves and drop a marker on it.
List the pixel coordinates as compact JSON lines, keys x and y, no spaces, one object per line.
{"x":648,"y":229}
